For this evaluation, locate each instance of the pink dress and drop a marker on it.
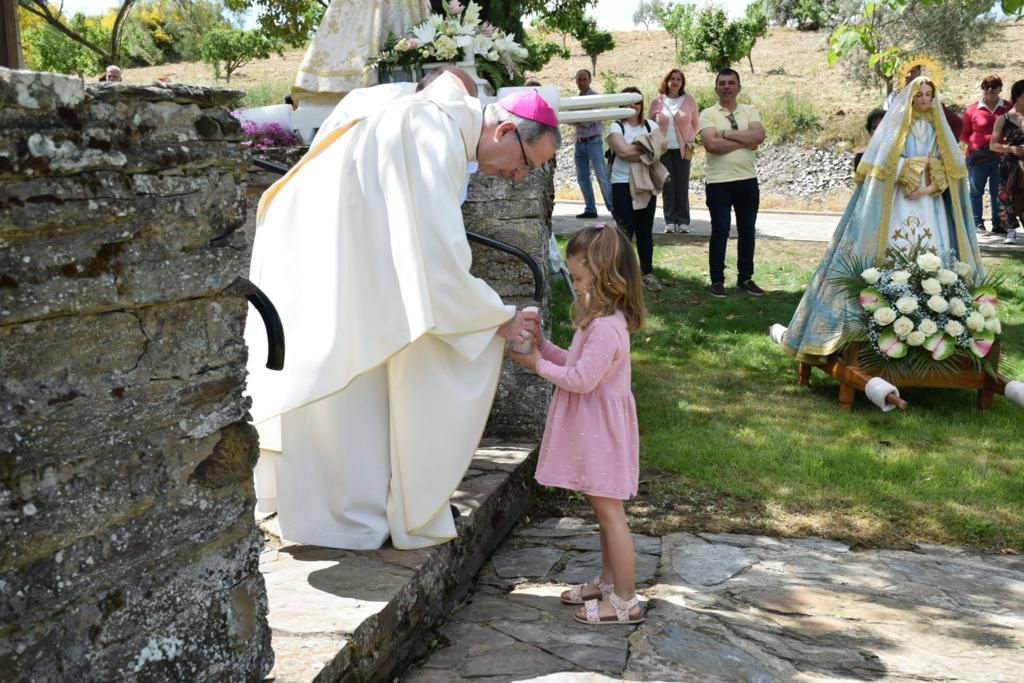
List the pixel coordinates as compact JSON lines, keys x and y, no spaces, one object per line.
{"x":591,"y":440}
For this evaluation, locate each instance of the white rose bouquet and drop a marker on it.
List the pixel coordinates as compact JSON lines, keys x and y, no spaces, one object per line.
{"x":452,"y":37}
{"x":919,"y":310}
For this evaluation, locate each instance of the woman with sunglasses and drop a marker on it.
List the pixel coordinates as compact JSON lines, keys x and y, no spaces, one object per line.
{"x":982,"y":162}
{"x":676,"y":113}
{"x":635,"y":199}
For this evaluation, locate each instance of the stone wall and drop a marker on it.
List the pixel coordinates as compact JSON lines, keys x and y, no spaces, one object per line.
{"x":518,"y":213}
{"x":129,"y":545}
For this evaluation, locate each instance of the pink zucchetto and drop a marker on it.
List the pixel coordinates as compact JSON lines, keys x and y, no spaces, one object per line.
{"x":530,"y":105}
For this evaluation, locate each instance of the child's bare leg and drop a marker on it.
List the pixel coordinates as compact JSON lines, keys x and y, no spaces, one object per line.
{"x":617,"y":552}
{"x":606,"y":567}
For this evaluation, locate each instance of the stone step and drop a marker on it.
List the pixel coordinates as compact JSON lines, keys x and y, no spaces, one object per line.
{"x":344,"y":615}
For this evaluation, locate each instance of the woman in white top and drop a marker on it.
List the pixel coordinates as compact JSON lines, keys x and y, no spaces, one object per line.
{"x":677,"y":116}
{"x":634,"y":222}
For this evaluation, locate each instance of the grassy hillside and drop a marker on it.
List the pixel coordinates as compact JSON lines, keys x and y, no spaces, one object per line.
{"x":785,"y":61}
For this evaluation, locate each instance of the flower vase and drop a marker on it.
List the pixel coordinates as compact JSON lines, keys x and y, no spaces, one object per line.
{"x":409,"y":74}
{"x":468,"y":64}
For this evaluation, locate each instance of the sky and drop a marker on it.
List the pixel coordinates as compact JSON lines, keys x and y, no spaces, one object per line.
{"x":612,"y":15}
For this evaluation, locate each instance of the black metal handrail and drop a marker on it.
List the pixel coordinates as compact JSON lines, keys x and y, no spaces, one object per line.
{"x":271,"y":320}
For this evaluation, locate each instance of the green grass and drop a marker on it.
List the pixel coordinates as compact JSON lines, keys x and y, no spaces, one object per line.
{"x":730,"y":442}
{"x":264,"y":94}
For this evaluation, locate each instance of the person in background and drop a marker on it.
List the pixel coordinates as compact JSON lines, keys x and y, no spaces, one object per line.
{"x":677,"y":116}
{"x":589,"y":153}
{"x":112,"y":74}
{"x":1008,"y":140}
{"x":637,"y":175}
{"x":731,"y":133}
{"x":982,"y":162}
{"x":870,"y":124}
{"x":591,"y":440}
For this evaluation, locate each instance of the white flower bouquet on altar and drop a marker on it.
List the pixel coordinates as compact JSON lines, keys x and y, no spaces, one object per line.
{"x":918,"y":314}
{"x":458,"y":35}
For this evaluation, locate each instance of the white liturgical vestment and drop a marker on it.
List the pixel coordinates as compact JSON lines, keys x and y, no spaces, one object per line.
{"x":392,"y":358}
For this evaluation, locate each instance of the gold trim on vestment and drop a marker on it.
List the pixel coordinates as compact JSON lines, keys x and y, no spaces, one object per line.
{"x":328,"y":140}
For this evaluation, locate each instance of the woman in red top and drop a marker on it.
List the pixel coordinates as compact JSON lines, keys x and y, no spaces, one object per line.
{"x":982,"y":163}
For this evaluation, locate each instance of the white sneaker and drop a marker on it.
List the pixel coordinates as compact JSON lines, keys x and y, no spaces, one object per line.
{"x":1011,"y":237}
{"x":670,"y":228}
{"x":683,"y":228}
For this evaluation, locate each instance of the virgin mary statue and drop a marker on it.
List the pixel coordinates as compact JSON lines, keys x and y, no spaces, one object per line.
{"x":350,"y":34}
{"x":910,"y":189}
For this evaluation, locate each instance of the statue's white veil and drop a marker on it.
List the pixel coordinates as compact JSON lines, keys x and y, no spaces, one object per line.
{"x":884,"y":149}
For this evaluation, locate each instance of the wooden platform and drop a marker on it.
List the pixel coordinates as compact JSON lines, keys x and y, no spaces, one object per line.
{"x":846,"y":368}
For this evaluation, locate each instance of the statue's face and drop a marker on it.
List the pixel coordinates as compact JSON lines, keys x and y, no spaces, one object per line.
{"x":923,"y":97}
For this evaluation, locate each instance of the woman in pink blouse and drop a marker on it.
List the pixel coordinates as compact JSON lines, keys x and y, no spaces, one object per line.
{"x":676,"y":107}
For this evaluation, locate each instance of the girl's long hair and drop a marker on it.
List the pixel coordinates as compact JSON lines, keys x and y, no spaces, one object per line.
{"x":612,"y":262}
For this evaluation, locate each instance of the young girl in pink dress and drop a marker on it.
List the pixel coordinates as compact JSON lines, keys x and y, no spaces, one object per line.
{"x":591,"y":441}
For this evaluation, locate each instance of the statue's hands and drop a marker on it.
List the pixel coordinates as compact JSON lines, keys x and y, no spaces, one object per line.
{"x":922,"y":192}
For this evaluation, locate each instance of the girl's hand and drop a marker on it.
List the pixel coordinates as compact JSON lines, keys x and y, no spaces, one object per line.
{"x":527,"y":360}
{"x":661,"y":118}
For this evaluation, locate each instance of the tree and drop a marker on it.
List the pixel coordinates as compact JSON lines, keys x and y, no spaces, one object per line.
{"x":677,"y":19}
{"x":708,"y":36}
{"x":108,"y":54}
{"x":234,"y":48}
{"x":804,"y":15}
{"x":177,"y":27}
{"x":48,"y":50}
{"x":541,"y":52}
{"x":564,"y":23}
{"x":593,"y":40}
{"x":291,"y":22}
{"x":648,"y":12}
{"x":754,"y":25}
{"x":882,"y":35}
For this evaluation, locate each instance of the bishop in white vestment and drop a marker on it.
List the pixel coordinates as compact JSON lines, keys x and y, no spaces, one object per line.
{"x":393,"y":347}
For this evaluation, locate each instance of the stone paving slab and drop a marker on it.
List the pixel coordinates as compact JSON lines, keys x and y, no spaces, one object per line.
{"x":339,"y":615}
{"x":731,"y":607}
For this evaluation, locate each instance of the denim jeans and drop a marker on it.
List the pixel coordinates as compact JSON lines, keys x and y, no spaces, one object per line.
{"x":591,"y":153}
{"x":638,"y":223}
{"x":979,"y":175}
{"x":744,"y":196}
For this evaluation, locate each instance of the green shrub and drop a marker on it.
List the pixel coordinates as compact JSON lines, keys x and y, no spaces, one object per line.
{"x":263,"y":94}
{"x":609,"y":82}
{"x":705,"y":96}
{"x":789,"y":115}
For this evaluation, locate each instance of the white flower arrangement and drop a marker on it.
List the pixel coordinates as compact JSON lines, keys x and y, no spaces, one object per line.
{"x":922,"y":311}
{"x":453,"y":37}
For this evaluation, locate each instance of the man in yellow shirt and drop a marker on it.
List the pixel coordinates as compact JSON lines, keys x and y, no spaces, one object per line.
{"x":731,"y":132}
